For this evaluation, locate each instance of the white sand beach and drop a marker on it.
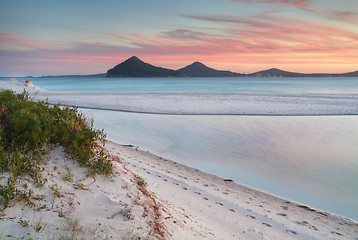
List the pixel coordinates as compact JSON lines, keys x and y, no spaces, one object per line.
{"x":178,"y":202}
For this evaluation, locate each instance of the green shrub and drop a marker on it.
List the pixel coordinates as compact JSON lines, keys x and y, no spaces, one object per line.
{"x":10,"y":195}
{"x":141,"y":182}
{"x":28,"y":128}
{"x":68,"y":177}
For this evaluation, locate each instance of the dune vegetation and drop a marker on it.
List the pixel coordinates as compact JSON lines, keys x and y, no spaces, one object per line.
{"x":29,"y":129}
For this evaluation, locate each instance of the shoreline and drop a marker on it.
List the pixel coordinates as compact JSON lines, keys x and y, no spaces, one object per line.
{"x":231,"y":180}
{"x":209,"y":114}
{"x":244,"y":210}
{"x":209,"y":104}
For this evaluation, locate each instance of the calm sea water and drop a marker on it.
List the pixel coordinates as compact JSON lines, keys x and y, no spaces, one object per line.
{"x":312,"y":160}
{"x":201,"y":85}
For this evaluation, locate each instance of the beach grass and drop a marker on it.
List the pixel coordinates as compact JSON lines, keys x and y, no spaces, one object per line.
{"x":28,"y":129}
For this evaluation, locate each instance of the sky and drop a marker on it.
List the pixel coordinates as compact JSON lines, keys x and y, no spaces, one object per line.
{"x":45,"y":37}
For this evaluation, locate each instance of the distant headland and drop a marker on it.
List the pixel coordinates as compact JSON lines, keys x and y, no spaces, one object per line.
{"x":134,"y":67}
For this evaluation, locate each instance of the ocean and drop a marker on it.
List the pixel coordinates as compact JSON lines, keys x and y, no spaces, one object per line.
{"x":308,"y":159}
{"x":329,"y":85}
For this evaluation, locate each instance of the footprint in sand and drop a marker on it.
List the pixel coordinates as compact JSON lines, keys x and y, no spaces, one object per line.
{"x":282,"y":214}
{"x":305,"y":223}
{"x":290,"y":231}
{"x":339,"y":234}
{"x":314,"y":228}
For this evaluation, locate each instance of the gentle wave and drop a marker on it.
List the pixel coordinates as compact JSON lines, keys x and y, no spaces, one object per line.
{"x":211,"y":104}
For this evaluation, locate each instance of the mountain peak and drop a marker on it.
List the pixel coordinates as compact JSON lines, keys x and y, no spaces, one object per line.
{"x":133,"y":59}
{"x":198,"y":69}
{"x":197,"y":66}
{"x":197,"y":63}
{"x":134,"y":67}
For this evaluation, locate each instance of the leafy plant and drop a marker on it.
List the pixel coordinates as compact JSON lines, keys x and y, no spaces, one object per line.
{"x":39,"y":225}
{"x":24,"y":223}
{"x":39,"y":197}
{"x":80,"y":185}
{"x":73,"y":224}
{"x":40,"y":183}
{"x":53,"y":187}
{"x":141,"y":182}
{"x":68,"y":177}
{"x":10,"y":195}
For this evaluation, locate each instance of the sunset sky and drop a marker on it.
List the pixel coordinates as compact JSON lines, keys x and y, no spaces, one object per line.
{"x":45,"y":37}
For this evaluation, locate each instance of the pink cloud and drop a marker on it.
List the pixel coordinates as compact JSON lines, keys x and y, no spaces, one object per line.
{"x":294,"y":3}
{"x":271,"y":32}
{"x":22,"y":42}
{"x":345,"y":16}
